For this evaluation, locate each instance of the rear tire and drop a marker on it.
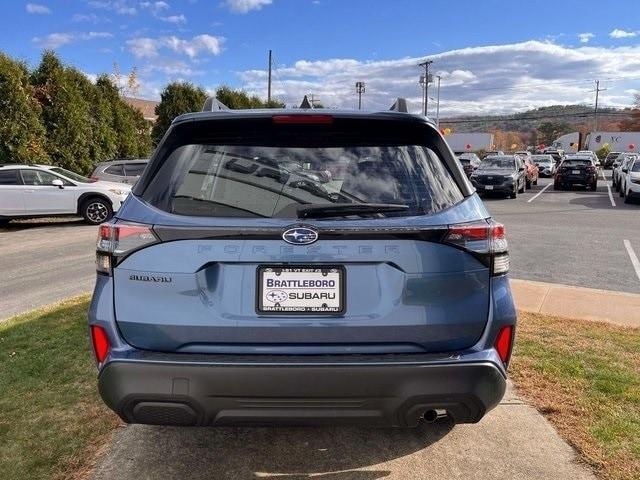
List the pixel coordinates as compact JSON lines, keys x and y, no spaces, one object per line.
{"x":514,"y":192}
{"x":627,"y":199}
{"x":96,"y":210}
{"x":557,"y":186}
{"x":621,"y":192}
{"x":594,"y":186}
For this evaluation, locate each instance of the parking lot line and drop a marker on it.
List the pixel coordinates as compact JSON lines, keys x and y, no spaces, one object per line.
{"x":613,"y":203}
{"x":632,"y":255}
{"x":538,"y":194}
{"x":603,"y":177}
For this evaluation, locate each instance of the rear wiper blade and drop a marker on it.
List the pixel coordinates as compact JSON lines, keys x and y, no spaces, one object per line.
{"x":319,"y":210}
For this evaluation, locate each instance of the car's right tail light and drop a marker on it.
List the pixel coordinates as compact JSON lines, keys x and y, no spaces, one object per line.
{"x":485,"y":240}
{"x":504,"y":343}
{"x":117,"y":240}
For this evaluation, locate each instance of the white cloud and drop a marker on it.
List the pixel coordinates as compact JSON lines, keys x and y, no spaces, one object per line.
{"x":56,"y":40}
{"x":245,"y":6}
{"x":121,"y":7}
{"x":37,"y":9}
{"x":85,"y":17}
{"x":585,"y":37}
{"x":177,"y":19}
{"x":146,"y":47}
{"x":618,"y":33}
{"x":475,"y":80}
{"x":155,"y":7}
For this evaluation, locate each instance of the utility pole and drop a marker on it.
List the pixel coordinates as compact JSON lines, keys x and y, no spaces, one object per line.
{"x":438,"y":103}
{"x":360,"y":88}
{"x":426,"y":64}
{"x":595,"y":110}
{"x":269,"y":81}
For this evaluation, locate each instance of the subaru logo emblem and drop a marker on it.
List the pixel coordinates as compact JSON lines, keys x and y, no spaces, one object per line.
{"x":300,"y":236}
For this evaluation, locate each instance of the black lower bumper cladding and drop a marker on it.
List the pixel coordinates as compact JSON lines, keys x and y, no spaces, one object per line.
{"x":377,"y":394}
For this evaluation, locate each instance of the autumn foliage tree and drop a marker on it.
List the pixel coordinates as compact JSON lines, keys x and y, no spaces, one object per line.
{"x":632,"y":124}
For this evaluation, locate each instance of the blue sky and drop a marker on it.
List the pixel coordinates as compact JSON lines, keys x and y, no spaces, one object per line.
{"x":492,"y":55}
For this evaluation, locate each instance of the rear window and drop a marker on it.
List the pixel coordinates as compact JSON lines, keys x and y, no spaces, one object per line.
{"x":577,"y":163}
{"x":498,"y":162}
{"x":134,"y":169}
{"x":222,"y":180}
{"x":9,"y":177}
{"x":114,"y":170}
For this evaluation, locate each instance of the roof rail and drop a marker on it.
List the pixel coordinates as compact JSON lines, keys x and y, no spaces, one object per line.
{"x":400,"y":105}
{"x":212,"y":104}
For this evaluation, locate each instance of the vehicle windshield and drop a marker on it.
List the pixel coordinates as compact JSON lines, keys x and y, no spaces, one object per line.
{"x":498,"y":162}
{"x":69,"y":174}
{"x":260,"y":181}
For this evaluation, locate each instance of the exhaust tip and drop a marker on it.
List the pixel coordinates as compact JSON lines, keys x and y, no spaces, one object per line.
{"x":431,"y":416}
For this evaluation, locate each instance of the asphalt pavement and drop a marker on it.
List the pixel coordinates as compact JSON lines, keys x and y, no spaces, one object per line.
{"x":572,"y":237}
{"x":42,"y":262}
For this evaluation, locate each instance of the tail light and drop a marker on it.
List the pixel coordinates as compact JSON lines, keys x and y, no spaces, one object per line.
{"x":504,"y":343}
{"x":591,"y":169}
{"x":117,"y":240}
{"x":100,"y":341}
{"x":486,"y":240}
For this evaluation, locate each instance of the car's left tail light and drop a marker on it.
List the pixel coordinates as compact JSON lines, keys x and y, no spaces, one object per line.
{"x":117,"y":240}
{"x":100,"y":341}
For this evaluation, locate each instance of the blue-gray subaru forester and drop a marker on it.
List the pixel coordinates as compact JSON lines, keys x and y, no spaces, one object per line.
{"x":294,"y":267}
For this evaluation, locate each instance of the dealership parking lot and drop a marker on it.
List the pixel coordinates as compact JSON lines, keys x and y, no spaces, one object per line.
{"x":578,"y":237}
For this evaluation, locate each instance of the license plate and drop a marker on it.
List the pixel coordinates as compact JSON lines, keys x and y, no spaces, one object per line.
{"x":575,"y":172}
{"x":488,"y":187}
{"x":300,"y":290}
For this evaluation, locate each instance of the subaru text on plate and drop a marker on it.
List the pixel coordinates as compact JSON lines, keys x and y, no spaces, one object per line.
{"x":288,"y":267}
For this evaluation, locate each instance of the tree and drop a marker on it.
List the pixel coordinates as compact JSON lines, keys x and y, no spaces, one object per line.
{"x":632,"y":124}
{"x":22,"y":136}
{"x":176,"y":98}
{"x":238,"y":99}
{"x":65,"y":97}
{"x":549,"y":131}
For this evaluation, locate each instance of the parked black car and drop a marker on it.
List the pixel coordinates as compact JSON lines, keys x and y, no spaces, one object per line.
{"x":503,"y":174}
{"x":576,"y":171}
{"x":610,"y":158}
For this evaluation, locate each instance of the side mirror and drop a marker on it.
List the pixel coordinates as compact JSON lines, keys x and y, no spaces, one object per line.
{"x":57,"y":183}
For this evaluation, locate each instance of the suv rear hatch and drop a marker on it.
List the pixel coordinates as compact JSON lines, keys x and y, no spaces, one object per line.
{"x":241,"y":238}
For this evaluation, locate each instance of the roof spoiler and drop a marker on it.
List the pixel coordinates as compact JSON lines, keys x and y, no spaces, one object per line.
{"x":400,"y":105}
{"x":212,"y":104}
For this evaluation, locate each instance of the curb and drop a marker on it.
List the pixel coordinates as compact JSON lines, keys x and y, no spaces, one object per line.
{"x":618,"y":308}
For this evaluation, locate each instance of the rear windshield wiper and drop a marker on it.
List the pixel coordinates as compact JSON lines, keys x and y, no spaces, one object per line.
{"x":319,"y":210}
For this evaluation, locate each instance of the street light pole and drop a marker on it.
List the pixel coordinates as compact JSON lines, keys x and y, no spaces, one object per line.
{"x":360,"y":89}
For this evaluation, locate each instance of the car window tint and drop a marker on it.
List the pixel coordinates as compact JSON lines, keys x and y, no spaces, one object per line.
{"x":249,"y":181}
{"x":134,"y":169}
{"x":114,"y":170}
{"x":9,"y":177}
{"x":38,"y":177}
{"x":636,"y":166}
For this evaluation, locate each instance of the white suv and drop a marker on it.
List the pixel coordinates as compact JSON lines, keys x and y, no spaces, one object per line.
{"x":28,"y":191}
{"x":630,"y":181}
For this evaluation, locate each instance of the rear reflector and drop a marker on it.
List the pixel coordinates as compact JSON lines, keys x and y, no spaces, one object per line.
{"x":303,"y":119}
{"x":504,"y":342}
{"x":100,"y":343}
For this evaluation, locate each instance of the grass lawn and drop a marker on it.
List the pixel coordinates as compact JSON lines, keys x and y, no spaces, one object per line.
{"x":585,"y":377}
{"x":52,"y":421}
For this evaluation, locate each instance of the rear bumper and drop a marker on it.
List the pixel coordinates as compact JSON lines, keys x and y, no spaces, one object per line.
{"x":377,"y":393}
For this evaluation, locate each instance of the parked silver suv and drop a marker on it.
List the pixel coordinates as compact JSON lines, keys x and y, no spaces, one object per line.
{"x":121,"y":171}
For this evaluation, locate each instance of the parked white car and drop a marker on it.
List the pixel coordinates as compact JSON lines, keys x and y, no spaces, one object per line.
{"x":28,"y":191}
{"x":622,"y":162}
{"x":630,"y":181}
